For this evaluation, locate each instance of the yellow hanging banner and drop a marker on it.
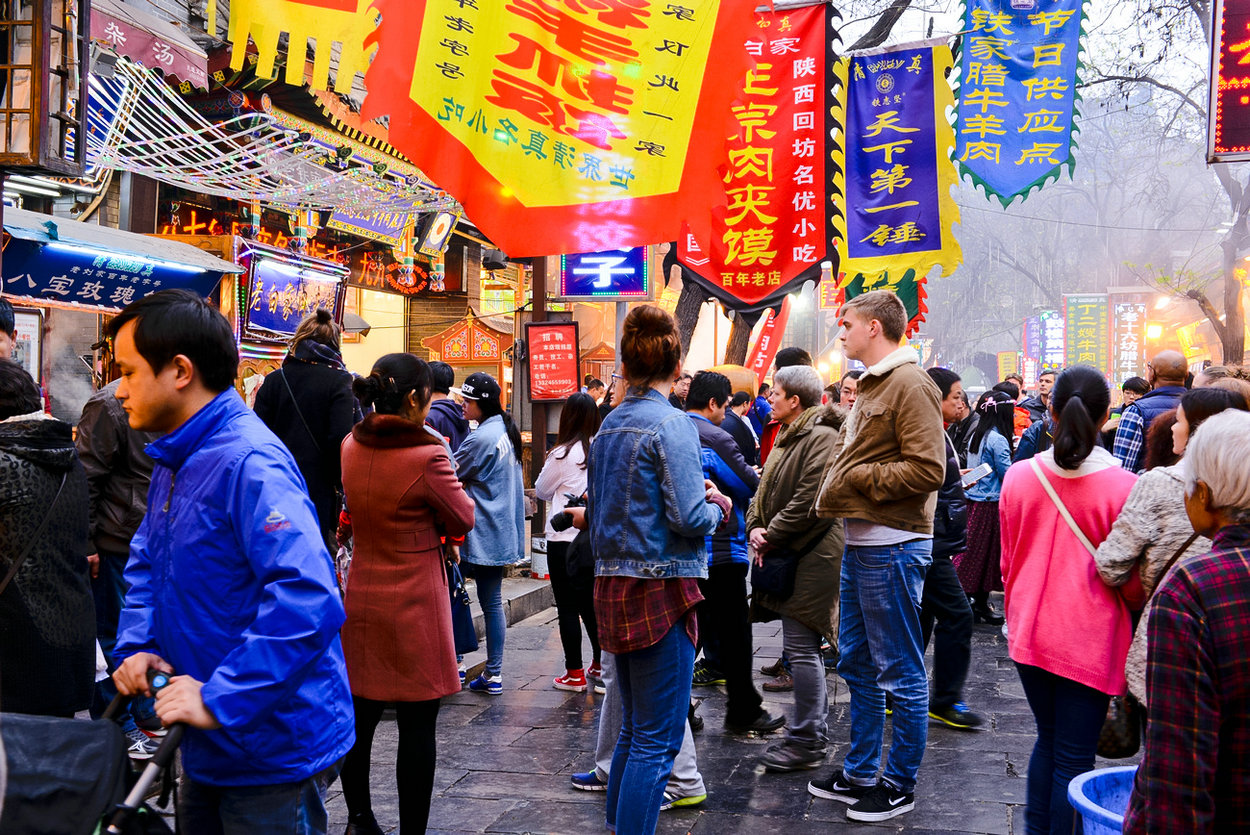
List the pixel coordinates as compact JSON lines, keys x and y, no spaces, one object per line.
{"x":345,"y":22}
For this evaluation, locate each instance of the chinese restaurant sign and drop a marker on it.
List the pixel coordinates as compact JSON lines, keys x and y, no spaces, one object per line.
{"x":1129,"y":347}
{"x":614,"y":275}
{"x":1017,"y":97}
{"x":761,"y":356}
{"x":1008,"y":363}
{"x":1033,"y":337}
{"x":386,"y":227}
{"x":1228,"y":125}
{"x":564,"y":125}
{"x":775,"y":221}
{"x":897,"y":213}
{"x":281,"y":292}
{"x":1052,"y":351}
{"x":911,"y":291}
{"x":554,"y":371}
{"x":1088,"y":332}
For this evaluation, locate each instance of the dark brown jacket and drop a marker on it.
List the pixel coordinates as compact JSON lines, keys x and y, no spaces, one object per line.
{"x":403,"y":494}
{"x":891,"y":456}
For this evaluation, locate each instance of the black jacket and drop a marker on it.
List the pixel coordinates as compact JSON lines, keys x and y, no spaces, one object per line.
{"x":47,"y":618}
{"x":950,"y":519}
{"x":323,"y":397}
{"x":117,"y":468}
{"x":741,"y":433}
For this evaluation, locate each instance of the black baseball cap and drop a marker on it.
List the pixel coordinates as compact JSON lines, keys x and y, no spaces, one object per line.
{"x":480,"y":386}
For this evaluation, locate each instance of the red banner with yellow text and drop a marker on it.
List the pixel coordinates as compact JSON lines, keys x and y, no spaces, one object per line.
{"x":774,"y":224}
{"x":564,"y":125}
{"x":761,"y":357}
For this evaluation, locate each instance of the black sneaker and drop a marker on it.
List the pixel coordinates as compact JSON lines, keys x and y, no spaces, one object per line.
{"x":882,"y":803}
{"x":958,"y":715}
{"x":705,"y":676}
{"x":765,"y":723}
{"x":836,"y":787}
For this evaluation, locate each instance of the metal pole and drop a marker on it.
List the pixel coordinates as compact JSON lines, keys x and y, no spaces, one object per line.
{"x":538,"y":413}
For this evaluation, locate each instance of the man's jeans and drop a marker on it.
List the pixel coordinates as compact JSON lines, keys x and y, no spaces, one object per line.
{"x":655,"y":695}
{"x":280,"y":809}
{"x":108,"y":590}
{"x":945,"y":601}
{"x":883,"y":652}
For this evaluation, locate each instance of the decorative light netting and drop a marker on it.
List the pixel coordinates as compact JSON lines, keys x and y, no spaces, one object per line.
{"x":141,"y":125}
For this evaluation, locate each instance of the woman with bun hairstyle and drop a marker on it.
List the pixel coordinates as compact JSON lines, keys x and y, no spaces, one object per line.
{"x":488,"y":464}
{"x":1067,"y":630}
{"x":308,"y":404}
{"x":650,"y":509}
{"x":397,"y":640}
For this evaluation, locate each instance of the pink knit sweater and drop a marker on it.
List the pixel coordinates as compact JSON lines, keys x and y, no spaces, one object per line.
{"x":1060,"y":615}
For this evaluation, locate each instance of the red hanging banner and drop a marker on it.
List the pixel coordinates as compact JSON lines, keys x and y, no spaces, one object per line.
{"x":553,"y":361}
{"x":564,"y":125}
{"x":761,"y":357}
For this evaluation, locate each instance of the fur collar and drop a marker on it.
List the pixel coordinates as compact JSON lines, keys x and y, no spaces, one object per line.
{"x":391,"y":431}
{"x":893,"y":360}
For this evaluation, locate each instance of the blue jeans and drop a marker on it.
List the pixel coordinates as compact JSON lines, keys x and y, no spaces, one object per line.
{"x":1069,"y":718}
{"x":489,"y":581}
{"x":108,"y":590}
{"x":655,"y":697}
{"x":280,"y":809}
{"x":882,"y":649}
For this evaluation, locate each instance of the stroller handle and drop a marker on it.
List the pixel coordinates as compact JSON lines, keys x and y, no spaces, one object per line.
{"x":157,"y":681}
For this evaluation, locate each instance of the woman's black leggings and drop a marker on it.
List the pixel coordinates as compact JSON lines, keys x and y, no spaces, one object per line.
{"x":414,"y":762}
{"x":575,"y":605}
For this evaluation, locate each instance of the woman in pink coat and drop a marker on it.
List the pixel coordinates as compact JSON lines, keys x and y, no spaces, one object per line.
{"x":1068,"y":632}
{"x":403,"y":496}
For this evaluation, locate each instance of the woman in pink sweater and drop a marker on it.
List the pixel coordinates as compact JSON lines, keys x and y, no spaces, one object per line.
{"x":1068,"y":632}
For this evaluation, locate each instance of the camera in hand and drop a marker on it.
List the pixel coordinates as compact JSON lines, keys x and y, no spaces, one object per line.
{"x":562,"y":521}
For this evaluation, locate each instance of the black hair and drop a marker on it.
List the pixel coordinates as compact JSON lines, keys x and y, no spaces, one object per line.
{"x":945,"y":379}
{"x":1079,"y":400}
{"x":579,"y":421}
{"x":1137,"y":385}
{"x":595,"y":383}
{"x":1008,"y":388}
{"x":1200,"y":404}
{"x":708,"y":385}
{"x":738,"y":399}
{"x":173,"y":322}
{"x":490,"y":406}
{"x":787,"y":357}
{"x":997,"y":411}
{"x":1046,"y":371}
{"x":853,"y":374}
{"x":18,"y":393}
{"x":763,"y":388}
{"x":442,"y":377}
{"x":8,"y":321}
{"x":392,"y":379}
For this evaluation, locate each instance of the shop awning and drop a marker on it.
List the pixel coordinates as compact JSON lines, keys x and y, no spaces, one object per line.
{"x":149,"y":40}
{"x":65,"y":263}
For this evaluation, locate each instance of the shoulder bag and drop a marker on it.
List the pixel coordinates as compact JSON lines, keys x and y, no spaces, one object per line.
{"x":776,"y":576}
{"x":36,"y":537}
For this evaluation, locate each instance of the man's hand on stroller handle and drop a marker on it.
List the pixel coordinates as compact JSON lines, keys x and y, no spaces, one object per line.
{"x":132,"y":676}
{"x":177,"y":701}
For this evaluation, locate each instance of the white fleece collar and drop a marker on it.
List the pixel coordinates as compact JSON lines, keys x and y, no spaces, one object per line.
{"x":893,"y":360}
{"x":1097,"y":460}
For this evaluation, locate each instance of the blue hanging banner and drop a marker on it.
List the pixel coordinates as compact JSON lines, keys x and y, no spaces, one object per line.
{"x":282,"y":291}
{"x":1019,"y":70}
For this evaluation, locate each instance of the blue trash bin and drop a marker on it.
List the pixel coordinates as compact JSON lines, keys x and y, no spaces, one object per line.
{"x":1101,"y":798}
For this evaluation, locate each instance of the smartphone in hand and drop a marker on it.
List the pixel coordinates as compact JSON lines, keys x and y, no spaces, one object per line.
{"x":974,"y":475}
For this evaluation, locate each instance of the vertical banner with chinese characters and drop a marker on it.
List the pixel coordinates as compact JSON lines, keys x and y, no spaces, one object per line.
{"x":774,"y":228}
{"x":1088,"y":338}
{"x":897,"y":175}
{"x":564,"y":125}
{"x":1033,"y":337}
{"x":761,"y":356}
{"x":1008,"y":363}
{"x":1017,"y":94}
{"x":1053,"y":345}
{"x":1128,"y":332}
{"x":553,"y":360}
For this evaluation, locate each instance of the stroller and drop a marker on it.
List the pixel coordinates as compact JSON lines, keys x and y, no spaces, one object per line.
{"x":69,"y":777}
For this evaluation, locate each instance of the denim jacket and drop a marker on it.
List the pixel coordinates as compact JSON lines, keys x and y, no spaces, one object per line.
{"x":648,"y":506}
{"x":487,"y":468}
{"x":995,"y":451}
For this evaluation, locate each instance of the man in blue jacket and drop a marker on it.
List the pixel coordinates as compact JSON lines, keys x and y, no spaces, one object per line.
{"x":231,"y":588}
{"x":724,"y":618}
{"x":1166,"y":375}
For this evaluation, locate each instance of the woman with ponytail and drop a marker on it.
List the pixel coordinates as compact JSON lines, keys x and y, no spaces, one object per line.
{"x":991,"y":443}
{"x":308,"y":404}
{"x":397,"y":640}
{"x":488,"y":464}
{"x":1068,"y":631}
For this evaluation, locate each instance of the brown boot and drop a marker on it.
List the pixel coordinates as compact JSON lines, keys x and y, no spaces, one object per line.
{"x":774,"y":669}
{"x":783,"y":683}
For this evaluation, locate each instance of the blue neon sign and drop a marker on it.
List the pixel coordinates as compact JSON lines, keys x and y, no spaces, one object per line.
{"x":611,"y":275}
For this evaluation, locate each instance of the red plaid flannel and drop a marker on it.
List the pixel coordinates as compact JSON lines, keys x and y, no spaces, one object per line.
{"x":635,"y":612}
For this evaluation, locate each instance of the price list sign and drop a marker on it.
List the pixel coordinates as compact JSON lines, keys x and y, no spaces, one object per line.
{"x":555,"y":373}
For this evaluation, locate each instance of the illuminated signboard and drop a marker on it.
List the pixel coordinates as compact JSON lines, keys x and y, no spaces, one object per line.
{"x":1053,"y":340}
{"x":555,"y":373}
{"x":1088,"y":336}
{"x":613,"y":275}
{"x":1228,"y":116}
{"x":1128,"y":357}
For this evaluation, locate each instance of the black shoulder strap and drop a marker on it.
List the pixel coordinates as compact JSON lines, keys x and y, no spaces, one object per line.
{"x":299,"y":413}
{"x":21,"y":558}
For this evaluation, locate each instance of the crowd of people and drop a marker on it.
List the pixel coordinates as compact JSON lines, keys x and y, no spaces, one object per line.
{"x":869,"y":516}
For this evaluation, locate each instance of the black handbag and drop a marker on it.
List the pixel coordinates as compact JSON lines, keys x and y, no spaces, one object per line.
{"x":463,"y":632}
{"x":1120,"y":736}
{"x":776,"y":576}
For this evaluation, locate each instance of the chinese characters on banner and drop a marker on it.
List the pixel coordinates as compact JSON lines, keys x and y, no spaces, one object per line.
{"x":1008,"y":363}
{"x":897,"y":212}
{"x":1088,"y":339}
{"x":1228,"y":120}
{"x":281,"y":293}
{"x":564,"y":125}
{"x":775,"y":223}
{"x":760,"y":359}
{"x":348,"y":23}
{"x":1129,"y":341}
{"x":1053,"y":348}
{"x":1017,"y":96}
{"x":553,"y":360}
{"x":1033,"y":337}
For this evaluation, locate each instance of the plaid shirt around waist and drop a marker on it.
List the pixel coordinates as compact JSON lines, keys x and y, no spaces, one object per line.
{"x":636,"y":612}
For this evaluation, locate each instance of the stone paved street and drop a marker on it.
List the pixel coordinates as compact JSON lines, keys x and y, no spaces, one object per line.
{"x":505,"y":761}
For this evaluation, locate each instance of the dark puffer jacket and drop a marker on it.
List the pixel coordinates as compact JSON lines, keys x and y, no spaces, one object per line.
{"x":47,"y":618}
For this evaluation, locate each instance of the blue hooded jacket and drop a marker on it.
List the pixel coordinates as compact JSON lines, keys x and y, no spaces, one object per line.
{"x":231,"y":584}
{"x":724,"y":465}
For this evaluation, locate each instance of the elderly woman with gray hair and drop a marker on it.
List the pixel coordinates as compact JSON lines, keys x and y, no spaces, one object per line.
{"x":1196,"y":768}
{"x":783,"y":527}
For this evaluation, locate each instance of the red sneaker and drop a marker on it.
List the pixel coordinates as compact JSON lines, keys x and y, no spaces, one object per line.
{"x":573,"y":680}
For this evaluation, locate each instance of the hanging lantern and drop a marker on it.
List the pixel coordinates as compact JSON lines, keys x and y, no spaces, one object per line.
{"x":43,"y":86}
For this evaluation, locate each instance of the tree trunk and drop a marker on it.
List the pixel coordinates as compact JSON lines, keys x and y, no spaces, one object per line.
{"x":739,"y":341}
{"x":689,"y":304}
{"x":1233,"y":337}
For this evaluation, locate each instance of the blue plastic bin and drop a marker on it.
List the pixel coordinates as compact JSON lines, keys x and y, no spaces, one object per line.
{"x":1101,"y":798}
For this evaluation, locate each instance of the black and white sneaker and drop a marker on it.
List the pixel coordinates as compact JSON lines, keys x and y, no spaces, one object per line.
{"x":836,"y":787}
{"x":882,"y":803}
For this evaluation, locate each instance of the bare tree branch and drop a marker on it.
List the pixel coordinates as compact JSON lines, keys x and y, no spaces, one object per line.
{"x":1145,"y":79}
{"x":881,"y":29}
